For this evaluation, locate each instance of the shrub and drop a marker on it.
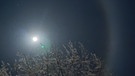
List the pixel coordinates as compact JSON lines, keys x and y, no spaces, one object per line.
{"x":71,"y":60}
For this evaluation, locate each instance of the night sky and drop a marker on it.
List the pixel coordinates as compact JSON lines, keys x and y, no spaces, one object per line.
{"x":105,"y":27}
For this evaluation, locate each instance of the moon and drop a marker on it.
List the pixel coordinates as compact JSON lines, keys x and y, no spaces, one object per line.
{"x":35,"y":39}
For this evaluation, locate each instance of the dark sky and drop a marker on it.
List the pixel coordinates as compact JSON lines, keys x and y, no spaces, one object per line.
{"x":105,"y":27}
{"x":60,"y":21}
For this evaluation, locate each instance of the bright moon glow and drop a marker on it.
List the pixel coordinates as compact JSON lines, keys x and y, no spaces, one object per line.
{"x":34,"y":39}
